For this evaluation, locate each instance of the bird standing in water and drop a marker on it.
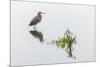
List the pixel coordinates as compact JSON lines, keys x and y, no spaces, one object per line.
{"x":36,"y":19}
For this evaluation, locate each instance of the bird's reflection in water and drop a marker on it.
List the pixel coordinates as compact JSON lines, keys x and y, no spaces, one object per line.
{"x":37,"y":34}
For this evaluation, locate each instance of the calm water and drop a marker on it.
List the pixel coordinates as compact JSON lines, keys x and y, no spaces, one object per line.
{"x":29,"y":47}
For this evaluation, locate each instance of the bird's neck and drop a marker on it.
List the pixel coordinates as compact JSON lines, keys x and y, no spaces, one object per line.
{"x":39,"y":14}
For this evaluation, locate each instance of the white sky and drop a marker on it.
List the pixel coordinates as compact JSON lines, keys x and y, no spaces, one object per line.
{"x":26,"y":50}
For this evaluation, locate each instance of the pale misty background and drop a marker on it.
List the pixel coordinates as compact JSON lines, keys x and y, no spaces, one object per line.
{"x":27,"y":50}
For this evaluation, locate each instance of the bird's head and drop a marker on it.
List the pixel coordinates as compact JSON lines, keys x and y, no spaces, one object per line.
{"x":39,"y":13}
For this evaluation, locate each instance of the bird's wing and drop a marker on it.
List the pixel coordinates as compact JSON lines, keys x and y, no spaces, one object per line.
{"x":39,"y":18}
{"x":34,"y":20}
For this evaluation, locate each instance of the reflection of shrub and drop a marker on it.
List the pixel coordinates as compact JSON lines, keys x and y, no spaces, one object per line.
{"x":66,"y":42}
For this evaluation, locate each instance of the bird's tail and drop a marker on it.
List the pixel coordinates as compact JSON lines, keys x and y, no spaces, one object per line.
{"x":30,"y":24}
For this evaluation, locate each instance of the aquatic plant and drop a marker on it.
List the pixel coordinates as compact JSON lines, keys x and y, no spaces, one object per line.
{"x":66,"y":42}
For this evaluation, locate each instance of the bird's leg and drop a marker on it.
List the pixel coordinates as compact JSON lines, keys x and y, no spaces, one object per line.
{"x":34,"y":27}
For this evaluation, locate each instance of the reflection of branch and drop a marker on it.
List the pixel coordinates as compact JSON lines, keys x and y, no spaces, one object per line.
{"x":37,"y":34}
{"x":69,"y":46}
{"x":69,"y":50}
